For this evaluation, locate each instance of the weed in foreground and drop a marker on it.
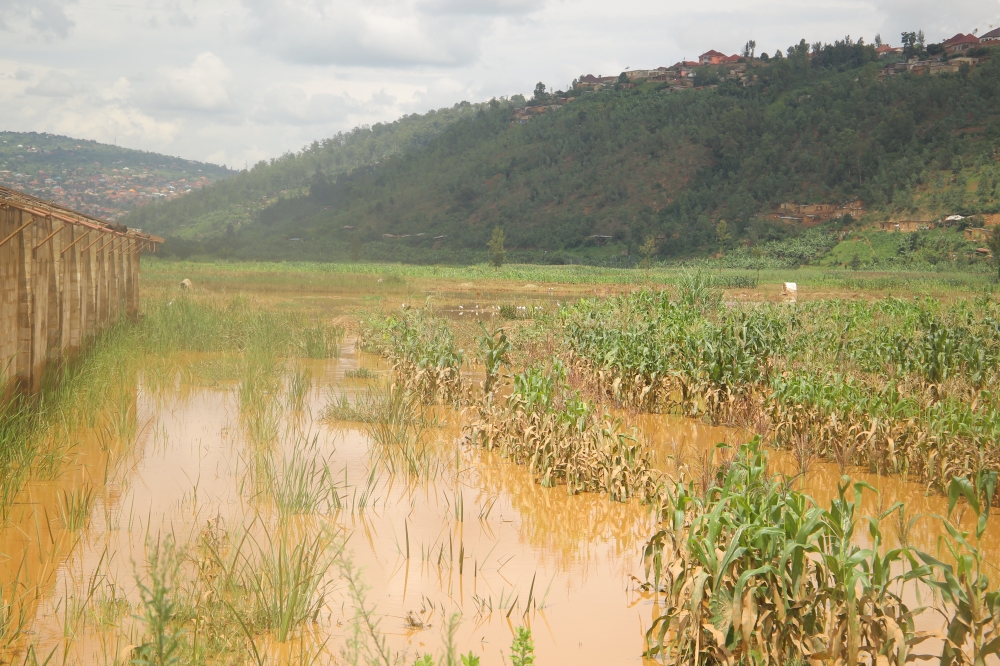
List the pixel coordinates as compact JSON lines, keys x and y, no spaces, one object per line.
{"x":522,"y":649}
{"x":366,"y":643}
{"x":272,"y":582}
{"x":164,"y":637}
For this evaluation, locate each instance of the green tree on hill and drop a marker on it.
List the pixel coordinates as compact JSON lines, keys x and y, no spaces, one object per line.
{"x":498,"y":254}
{"x":646,"y":251}
{"x":355,"y":248}
{"x":540,"y":97}
{"x":722,"y":235}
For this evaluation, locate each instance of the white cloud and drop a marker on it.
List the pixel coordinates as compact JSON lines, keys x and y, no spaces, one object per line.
{"x":481,"y":8}
{"x":47,"y":17}
{"x":53,"y":84}
{"x":374,"y":34}
{"x":207,"y":84}
{"x":291,"y":105}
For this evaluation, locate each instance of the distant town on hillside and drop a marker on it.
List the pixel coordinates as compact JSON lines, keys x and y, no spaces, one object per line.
{"x":914,"y":56}
{"x":101,"y":180}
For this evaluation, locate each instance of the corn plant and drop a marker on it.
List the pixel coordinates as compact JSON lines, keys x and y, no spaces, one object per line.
{"x":754,"y":570}
{"x":422,"y":349}
{"x":972,"y":609}
{"x":893,"y":385}
{"x":562,"y":438}
{"x":495,"y":353}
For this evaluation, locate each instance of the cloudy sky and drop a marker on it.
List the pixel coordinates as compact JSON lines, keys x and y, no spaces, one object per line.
{"x":231,"y":81}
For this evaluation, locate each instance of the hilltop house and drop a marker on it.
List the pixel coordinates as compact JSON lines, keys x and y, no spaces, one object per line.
{"x":906,"y":226}
{"x":713,"y":57}
{"x":886,"y":50}
{"x":811,"y":214}
{"x":642,"y":74}
{"x":959,"y":44}
{"x":991,"y":36}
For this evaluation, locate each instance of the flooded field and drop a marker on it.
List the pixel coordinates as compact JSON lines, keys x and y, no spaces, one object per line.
{"x":243,"y":506}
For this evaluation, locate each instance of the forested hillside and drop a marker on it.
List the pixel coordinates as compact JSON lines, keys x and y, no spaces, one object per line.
{"x":225,"y":208}
{"x":646,"y":162}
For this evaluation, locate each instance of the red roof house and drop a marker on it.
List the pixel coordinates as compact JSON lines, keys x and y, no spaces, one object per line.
{"x":712,"y":57}
{"x":960,"y":43}
{"x":991,"y":36}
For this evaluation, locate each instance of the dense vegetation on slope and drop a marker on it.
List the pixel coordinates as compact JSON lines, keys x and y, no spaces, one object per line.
{"x":650,"y":162}
{"x":226,"y":207}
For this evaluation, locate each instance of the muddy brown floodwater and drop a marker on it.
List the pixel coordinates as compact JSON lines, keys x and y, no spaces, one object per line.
{"x":476,"y":537}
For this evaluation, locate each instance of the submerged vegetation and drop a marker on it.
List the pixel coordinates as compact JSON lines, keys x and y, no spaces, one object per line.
{"x":898,"y":386}
{"x":98,"y":390}
{"x":562,"y":438}
{"x":423,"y":353}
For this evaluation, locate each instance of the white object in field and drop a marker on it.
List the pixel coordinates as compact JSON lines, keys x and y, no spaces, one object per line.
{"x":186,"y":284}
{"x":790,"y":290}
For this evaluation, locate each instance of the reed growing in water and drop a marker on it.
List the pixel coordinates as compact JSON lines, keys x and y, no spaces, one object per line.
{"x":99,"y":388}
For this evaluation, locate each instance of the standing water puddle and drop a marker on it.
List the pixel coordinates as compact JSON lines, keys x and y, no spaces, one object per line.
{"x":474,"y":535}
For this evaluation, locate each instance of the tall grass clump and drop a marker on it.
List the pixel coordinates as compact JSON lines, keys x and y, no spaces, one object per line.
{"x":300,"y":483}
{"x":397,"y":428}
{"x":19,"y":444}
{"x":269,"y":581}
{"x":95,"y":390}
{"x":321,"y":341}
{"x":752,"y":570}
{"x":299,"y":385}
{"x":209,"y":325}
{"x":422,"y":350}
{"x":16,"y":611}
{"x":75,"y":507}
{"x":395,"y":422}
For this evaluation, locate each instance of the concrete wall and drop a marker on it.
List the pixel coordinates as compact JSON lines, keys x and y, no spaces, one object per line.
{"x":60,"y":285}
